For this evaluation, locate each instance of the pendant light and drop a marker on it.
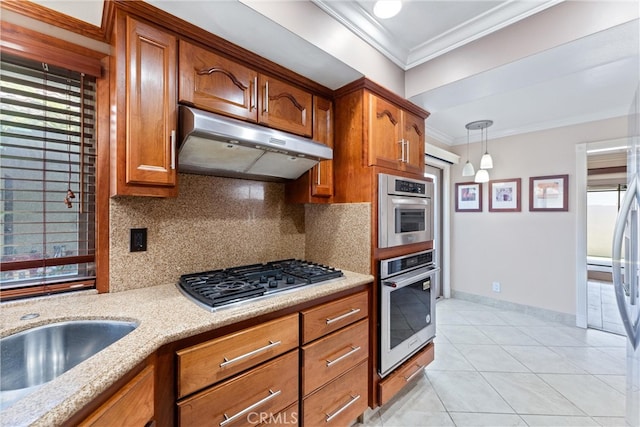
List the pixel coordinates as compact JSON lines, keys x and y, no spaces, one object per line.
{"x":486,"y":162}
{"x":482,"y":176}
{"x":468,"y":169}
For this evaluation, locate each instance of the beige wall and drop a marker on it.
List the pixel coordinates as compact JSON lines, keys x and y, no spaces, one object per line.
{"x":532,"y":254}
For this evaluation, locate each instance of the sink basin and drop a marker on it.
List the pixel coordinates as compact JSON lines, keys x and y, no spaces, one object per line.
{"x":38,"y":355}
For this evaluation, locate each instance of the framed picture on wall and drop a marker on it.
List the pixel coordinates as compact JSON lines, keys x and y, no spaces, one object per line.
{"x":504,"y":195}
{"x":468,"y":197}
{"x":549,"y":193}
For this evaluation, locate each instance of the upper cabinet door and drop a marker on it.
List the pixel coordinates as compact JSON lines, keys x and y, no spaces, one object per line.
{"x":151,"y":107}
{"x":385,"y":141}
{"x":322,"y":173}
{"x":413,"y":135}
{"x":284,"y":107}
{"x":214,"y":83}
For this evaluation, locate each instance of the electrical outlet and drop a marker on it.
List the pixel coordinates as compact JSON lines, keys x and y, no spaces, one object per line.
{"x":496,"y":286}
{"x":138,"y":240}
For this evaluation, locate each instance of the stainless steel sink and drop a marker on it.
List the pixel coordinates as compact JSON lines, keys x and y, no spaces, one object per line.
{"x":38,"y":355}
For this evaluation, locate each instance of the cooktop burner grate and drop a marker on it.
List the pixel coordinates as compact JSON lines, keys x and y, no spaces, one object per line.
{"x":222,"y":287}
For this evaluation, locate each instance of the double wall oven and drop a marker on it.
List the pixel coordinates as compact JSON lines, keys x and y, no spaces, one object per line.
{"x":407,"y":291}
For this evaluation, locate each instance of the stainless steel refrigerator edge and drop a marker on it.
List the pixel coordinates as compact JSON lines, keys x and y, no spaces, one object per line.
{"x":626,"y":270}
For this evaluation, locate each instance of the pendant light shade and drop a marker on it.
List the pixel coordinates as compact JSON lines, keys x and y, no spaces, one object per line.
{"x":468,"y":169}
{"x":486,"y":162}
{"x":482,"y":176}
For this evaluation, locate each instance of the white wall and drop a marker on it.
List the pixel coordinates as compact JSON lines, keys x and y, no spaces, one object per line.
{"x":532,"y":254}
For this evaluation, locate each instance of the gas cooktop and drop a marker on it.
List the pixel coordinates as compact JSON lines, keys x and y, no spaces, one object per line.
{"x":218,"y":288}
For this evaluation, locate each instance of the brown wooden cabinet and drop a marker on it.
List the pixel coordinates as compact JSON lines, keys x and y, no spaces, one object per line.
{"x":207,"y":363}
{"x":133,"y":403}
{"x":245,"y":399}
{"x":334,"y":358}
{"x":316,"y":185}
{"x":396,"y":137}
{"x":375,"y":131}
{"x":409,"y":370}
{"x":145,"y":110}
{"x":214,"y":83}
{"x":283,"y":106}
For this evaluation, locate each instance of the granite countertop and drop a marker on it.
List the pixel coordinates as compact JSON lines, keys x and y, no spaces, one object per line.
{"x":164,"y":315}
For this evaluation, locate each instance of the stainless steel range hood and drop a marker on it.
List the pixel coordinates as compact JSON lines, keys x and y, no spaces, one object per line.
{"x":211,"y":144}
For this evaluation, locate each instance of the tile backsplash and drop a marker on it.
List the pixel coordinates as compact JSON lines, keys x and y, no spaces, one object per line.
{"x":339,"y":235}
{"x":213,"y":223}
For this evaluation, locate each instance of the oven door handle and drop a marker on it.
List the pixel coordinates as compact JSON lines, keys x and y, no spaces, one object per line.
{"x":409,"y":278}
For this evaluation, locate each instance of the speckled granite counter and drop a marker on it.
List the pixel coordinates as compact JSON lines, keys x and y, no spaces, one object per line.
{"x":164,"y":315}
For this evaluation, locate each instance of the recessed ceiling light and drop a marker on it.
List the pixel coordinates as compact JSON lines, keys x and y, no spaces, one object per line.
{"x":387,"y":8}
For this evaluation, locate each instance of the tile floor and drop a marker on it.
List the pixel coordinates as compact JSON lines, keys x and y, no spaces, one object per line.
{"x":503,"y":368}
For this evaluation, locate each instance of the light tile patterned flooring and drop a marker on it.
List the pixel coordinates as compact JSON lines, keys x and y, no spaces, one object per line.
{"x":503,"y":368}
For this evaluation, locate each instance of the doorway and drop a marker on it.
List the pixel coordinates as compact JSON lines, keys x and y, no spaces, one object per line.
{"x":606,"y":185}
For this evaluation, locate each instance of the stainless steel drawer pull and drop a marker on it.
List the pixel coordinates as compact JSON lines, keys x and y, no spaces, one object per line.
{"x":410,"y":377}
{"x":231,"y":419}
{"x":336,"y":413}
{"x":342,"y":316}
{"x":251,"y":353}
{"x":344,"y":356}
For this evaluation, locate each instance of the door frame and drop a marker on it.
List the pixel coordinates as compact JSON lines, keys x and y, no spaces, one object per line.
{"x":582,"y":151}
{"x":445,"y":201}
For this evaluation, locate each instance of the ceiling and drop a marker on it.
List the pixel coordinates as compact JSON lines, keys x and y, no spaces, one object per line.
{"x":590,"y":76}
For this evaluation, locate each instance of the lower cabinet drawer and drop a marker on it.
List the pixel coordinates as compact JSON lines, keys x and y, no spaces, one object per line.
{"x":326,"y":318}
{"x":205,"y":364}
{"x":331,"y":356}
{"x":411,"y":369}
{"x":339,"y":402}
{"x":247,"y":399}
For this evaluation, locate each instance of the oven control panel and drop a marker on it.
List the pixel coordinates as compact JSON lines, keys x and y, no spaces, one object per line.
{"x":410,"y":186}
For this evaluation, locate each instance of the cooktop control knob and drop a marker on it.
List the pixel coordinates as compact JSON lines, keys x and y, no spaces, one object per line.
{"x":273,"y":284}
{"x":290,"y":280}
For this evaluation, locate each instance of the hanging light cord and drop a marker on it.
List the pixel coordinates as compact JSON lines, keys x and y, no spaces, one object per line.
{"x":70,"y":194}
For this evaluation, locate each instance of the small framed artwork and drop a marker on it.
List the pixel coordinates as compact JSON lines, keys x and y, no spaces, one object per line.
{"x":504,"y":195}
{"x":468,"y":197}
{"x":549,"y":193}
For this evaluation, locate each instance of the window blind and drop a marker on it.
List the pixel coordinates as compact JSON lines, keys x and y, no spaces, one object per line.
{"x":47,"y":178}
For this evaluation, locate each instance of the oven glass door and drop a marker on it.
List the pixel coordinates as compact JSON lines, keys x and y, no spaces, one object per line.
{"x":409,"y":221}
{"x":407,"y":319}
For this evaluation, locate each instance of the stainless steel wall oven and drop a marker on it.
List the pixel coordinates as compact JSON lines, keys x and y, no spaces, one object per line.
{"x":405,"y":211}
{"x":407,"y":307}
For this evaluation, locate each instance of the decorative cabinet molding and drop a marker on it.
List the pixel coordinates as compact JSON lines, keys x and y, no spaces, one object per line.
{"x":215,"y":83}
{"x":396,"y":137}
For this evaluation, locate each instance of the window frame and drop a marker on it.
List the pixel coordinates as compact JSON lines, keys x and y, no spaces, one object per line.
{"x":26,"y":43}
